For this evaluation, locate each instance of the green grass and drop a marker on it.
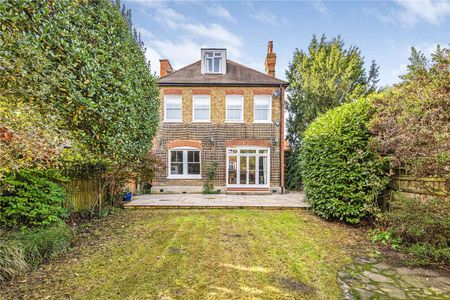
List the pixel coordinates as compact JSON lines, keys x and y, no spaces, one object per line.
{"x":199,"y":254}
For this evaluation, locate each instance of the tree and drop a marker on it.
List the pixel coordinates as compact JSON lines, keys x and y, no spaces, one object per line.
{"x":81,"y":63}
{"x":323,"y":77}
{"x":412,"y":123}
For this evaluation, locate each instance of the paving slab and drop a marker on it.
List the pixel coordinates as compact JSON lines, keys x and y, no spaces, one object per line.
{"x":291,"y":200}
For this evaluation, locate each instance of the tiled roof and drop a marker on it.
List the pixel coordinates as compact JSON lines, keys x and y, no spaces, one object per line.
{"x":237,"y":74}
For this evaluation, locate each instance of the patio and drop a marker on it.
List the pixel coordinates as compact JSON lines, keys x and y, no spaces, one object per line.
{"x":291,"y":200}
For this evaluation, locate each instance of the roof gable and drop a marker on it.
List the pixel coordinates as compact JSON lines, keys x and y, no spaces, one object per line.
{"x":237,"y":74}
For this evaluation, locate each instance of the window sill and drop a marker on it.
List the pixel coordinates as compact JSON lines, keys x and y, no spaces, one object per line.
{"x":201,"y":121}
{"x":262,"y":122}
{"x":173,"y":121}
{"x":184,"y":177}
{"x":236,"y":122}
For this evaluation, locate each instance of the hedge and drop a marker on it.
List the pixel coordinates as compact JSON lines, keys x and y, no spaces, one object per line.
{"x":342,"y":175}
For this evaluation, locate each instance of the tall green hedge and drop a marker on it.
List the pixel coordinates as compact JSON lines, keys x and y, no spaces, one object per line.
{"x":342,"y":175}
{"x":81,"y":63}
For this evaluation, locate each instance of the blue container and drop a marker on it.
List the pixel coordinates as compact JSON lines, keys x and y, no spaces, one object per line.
{"x":127,"y":196}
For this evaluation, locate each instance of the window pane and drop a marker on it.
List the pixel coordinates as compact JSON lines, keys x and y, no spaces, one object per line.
{"x":193,"y":168}
{"x":243,"y":169}
{"x":217,"y":64}
{"x":234,"y":114}
{"x":232,"y":170}
{"x":176,"y":168}
{"x":251,"y":169}
{"x":261,"y":114}
{"x":173,"y":114}
{"x":176,"y":156}
{"x":194,"y":156}
{"x":201,"y":115}
{"x":262,"y":160}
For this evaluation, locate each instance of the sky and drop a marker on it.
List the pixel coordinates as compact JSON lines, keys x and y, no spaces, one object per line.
{"x":384,"y":31}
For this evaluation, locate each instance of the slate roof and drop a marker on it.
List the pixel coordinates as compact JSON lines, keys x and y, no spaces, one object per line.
{"x":237,"y":75}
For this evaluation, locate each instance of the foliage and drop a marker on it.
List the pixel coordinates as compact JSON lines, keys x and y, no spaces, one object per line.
{"x":321,"y":78}
{"x":292,"y":170}
{"x":80,"y":66}
{"x":341,"y":174}
{"x":27,"y":138}
{"x":32,"y":197}
{"x":412,"y":121}
{"x":12,"y":260}
{"x":423,"y":227}
{"x":26,"y":249}
{"x":40,"y":244}
{"x":208,"y":185}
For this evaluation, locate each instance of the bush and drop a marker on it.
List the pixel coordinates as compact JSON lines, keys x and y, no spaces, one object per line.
{"x":208,"y":185}
{"x":342,"y":176}
{"x":32,"y":197}
{"x":292,"y":172}
{"x":12,"y":260}
{"x":423,"y":227}
{"x":28,"y":248}
{"x":411,"y":123}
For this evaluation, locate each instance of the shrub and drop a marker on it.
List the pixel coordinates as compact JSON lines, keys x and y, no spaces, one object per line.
{"x":32,"y":197}
{"x":342,"y":176}
{"x":12,"y":260}
{"x":411,"y":122}
{"x":40,"y":244}
{"x":423,"y":227}
{"x":208,"y":186}
{"x":28,"y":248}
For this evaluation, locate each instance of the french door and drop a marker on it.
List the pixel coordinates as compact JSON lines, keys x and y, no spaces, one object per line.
{"x":248,"y":167}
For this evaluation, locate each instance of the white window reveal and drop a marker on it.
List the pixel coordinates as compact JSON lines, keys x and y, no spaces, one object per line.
{"x":235,"y":108}
{"x":184,"y":163}
{"x":263,"y":109}
{"x":213,"y":61}
{"x":173,"y":108}
{"x":201,"y":108}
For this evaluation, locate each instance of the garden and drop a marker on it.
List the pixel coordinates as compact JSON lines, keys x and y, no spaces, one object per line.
{"x":79,"y":103}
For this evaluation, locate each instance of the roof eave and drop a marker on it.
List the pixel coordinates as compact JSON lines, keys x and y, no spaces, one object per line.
{"x":211,"y":84}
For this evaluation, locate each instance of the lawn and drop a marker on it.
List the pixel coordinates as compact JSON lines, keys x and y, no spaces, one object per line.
{"x":198,"y":254}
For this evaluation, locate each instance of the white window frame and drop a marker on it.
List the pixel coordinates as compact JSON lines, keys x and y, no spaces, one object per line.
{"x":215,"y":53}
{"x":265,"y":98}
{"x":230,"y":97}
{"x":185,"y":174}
{"x":201,"y":97}
{"x":238,"y":162}
{"x":173,"y":97}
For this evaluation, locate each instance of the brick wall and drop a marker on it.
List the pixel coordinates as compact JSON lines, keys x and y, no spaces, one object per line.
{"x":215,"y":136}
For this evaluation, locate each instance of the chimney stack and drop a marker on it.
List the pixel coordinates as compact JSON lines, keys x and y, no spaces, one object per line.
{"x":164,"y":67}
{"x":271,"y":60}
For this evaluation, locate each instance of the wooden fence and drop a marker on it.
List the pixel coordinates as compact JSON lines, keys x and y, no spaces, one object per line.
{"x":420,"y":187}
{"x":83,"y":193}
{"x":86,"y":193}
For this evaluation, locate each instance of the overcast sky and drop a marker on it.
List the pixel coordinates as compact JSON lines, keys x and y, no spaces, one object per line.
{"x":383,"y":30}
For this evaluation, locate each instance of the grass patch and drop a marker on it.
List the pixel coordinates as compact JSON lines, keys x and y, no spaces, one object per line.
{"x":197,"y":254}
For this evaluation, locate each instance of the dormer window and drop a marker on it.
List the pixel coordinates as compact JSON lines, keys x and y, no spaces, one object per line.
{"x":213,"y":61}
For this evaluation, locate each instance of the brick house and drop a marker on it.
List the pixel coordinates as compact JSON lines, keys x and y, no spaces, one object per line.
{"x":218,"y":110}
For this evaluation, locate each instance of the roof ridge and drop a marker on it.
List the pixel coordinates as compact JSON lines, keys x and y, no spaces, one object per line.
{"x":175,"y":71}
{"x":255,"y":70}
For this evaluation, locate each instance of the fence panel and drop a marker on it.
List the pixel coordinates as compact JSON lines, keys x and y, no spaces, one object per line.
{"x":422,"y":187}
{"x":83,"y":193}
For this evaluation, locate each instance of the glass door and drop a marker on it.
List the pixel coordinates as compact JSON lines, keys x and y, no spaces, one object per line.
{"x":247,"y":167}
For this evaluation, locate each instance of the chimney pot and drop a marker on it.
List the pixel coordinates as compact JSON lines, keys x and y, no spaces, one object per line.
{"x":164,"y":67}
{"x":271,"y":60}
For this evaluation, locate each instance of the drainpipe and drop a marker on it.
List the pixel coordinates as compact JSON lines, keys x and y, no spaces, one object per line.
{"x":281,"y":138}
